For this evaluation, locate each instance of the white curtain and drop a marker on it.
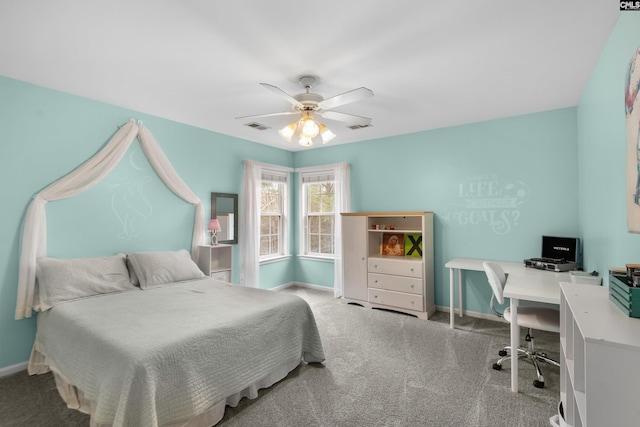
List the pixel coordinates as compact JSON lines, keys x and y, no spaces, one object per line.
{"x":249,"y":225}
{"x":342,"y":203}
{"x":34,"y":234}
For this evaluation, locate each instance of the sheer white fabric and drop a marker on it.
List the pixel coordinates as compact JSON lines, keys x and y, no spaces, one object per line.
{"x":34,"y":234}
{"x":250,"y":225}
{"x":342,"y":203}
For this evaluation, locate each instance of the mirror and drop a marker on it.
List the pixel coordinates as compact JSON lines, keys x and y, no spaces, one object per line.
{"x":224,"y":206}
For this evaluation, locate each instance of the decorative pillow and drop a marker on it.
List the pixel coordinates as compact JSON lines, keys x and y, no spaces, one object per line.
{"x":159,"y":268}
{"x":62,"y":280}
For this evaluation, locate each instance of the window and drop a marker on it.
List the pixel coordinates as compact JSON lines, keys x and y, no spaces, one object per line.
{"x":274,"y":206}
{"x":318,"y":213}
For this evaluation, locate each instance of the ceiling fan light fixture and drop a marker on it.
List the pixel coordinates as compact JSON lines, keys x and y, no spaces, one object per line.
{"x":288,"y":131}
{"x":306,"y":105}
{"x":305,"y":141}
{"x":326,"y":134}
{"x":310,"y":128}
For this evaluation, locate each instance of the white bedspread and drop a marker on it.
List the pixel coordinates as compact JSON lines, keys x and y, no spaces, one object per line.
{"x":162,"y":356}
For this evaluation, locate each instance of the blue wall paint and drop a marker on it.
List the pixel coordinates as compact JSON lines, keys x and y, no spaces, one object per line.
{"x":44,"y":134}
{"x":487,"y":183}
{"x":454,"y":172}
{"x":602,"y":154}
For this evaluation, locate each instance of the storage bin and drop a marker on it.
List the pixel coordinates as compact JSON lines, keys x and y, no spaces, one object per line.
{"x":585,"y":278}
{"x":625,"y":297}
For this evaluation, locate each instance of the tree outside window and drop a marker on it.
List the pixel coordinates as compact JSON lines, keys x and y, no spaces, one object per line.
{"x":271,"y":211}
{"x":320,"y":217}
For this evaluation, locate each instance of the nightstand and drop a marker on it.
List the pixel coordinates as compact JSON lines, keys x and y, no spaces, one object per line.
{"x":216,"y":261}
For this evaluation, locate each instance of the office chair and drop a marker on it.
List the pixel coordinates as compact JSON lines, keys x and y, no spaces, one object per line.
{"x":545,"y":319}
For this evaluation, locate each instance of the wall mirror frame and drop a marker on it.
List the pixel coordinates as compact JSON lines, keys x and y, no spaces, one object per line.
{"x":224,"y":207}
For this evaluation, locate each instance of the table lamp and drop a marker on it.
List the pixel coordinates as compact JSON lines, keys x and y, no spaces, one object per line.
{"x":214,"y":227}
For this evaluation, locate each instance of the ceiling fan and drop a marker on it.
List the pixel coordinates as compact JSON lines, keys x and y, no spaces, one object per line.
{"x":309,"y":105}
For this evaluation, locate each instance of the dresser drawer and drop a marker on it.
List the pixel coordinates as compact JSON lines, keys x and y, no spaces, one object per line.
{"x":396,"y":299}
{"x":400,"y":267}
{"x":395,"y":283}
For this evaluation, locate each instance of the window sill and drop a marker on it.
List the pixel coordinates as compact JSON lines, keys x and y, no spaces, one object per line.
{"x":317,"y":258}
{"x":275,"y":259}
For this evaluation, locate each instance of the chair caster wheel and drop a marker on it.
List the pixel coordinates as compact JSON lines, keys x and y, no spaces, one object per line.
{"x":538,"y":384}
{"x":502,"y":353}
{"x":499,"y":368}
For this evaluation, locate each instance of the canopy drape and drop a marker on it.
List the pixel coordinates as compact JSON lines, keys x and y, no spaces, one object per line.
{"x":34,"y":233}
{"x":250,"y":224}
{"x":342,"y":203}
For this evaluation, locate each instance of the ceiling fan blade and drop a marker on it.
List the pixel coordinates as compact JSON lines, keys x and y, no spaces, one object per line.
{"x":284,"y":113}
{"x":348,"y":118}
{"x":345,"y":98}
{"x":283,"y":94}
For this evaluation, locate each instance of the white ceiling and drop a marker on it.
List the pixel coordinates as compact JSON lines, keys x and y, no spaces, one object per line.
{"x":430,"y":64}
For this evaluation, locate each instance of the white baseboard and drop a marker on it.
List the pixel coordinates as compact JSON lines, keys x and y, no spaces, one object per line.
{"x":302,"y":285}
{"x":10,"y":370}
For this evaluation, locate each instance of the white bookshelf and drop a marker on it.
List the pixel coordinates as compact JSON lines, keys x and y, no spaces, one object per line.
{"x":599,"y":359}
{"x":216,"y":261}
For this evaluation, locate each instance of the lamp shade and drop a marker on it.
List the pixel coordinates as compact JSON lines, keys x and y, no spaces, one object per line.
{"x":214,"y":225}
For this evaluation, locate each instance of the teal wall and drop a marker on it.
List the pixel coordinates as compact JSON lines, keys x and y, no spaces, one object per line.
{"x":602,"y":152}
{"x":488,"y":184}
{"x":493,"y":186}
{"x":44,"y":134}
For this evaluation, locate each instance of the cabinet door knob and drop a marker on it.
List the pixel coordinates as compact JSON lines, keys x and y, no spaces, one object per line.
{"x":362,"y":258}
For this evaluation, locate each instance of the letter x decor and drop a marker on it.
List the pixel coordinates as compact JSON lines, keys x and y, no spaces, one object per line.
{"x":413,"y":245}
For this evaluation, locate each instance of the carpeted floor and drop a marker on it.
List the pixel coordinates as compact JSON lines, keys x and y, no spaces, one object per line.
{"x":382,"y":369}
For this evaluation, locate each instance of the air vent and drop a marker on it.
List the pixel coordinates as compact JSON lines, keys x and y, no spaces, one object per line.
{"x":355,"y":127}
{"x":258,"y":126}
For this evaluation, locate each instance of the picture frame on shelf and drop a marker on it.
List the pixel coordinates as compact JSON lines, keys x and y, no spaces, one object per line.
{"x":392,"y":244}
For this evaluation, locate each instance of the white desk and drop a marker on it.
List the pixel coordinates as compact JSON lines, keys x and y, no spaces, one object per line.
{"x":523,"y":283}
{"x":471,"y":264}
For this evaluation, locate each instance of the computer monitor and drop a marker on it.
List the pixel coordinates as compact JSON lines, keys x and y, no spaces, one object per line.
{"x":567,"y":248}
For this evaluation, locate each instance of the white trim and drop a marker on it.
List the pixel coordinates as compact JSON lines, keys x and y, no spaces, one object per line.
{"x":302,"y":285}
{"x":275,"y":259}
{"x":317,"y":258}
{"x":313,"y":169}
{"x":10,"y":370}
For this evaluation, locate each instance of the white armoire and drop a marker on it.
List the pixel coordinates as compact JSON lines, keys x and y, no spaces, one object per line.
{"x":388,"y":261}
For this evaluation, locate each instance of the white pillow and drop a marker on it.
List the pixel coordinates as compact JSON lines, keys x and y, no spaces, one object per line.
{"x":159,"y":268}
{"x":62,"y":280}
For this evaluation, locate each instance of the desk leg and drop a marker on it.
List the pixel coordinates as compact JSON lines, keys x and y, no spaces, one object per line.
{"x":515,"y":340}
{"x":452,"y":304}
{"x":460,"y":292}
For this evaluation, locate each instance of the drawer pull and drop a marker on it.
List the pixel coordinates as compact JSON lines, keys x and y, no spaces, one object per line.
{"x":412,"y":270}
{"x":375,"y":296}
{"x":413,"y":286}
{"x":412,"y":302}
{"x":362,"y":258}
{"x":376,"y":281}
{"x":375,"y":265}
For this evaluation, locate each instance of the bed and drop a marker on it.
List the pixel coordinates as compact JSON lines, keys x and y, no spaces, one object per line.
{"x":145,"y":339}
